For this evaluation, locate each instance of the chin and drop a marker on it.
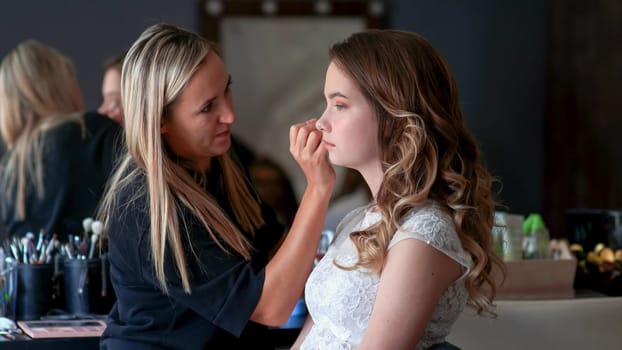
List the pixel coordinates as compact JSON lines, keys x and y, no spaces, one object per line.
{"x":222,"y":149}
{"x":336,"y":161}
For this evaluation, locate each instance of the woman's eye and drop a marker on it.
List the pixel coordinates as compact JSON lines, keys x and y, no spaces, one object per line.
{"x":228,"y":89}
{"x":340,"y":107}
{"x":207,"y":108}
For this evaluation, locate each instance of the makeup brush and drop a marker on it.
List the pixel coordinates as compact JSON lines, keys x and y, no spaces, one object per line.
{"x":97,"y":228}
{"x":87,"y":225}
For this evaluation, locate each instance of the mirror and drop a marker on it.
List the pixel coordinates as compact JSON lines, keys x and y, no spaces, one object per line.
{"x":277,"y":55}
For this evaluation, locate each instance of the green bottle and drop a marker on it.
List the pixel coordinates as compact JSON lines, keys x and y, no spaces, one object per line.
{"x":536,"y":241}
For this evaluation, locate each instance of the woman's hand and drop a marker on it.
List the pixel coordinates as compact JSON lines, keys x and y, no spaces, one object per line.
{"x":286,"y":273}
{"x":305,"y":145}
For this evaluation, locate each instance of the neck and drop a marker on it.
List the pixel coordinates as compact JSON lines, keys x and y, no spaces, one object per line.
{"x":373,"y":176}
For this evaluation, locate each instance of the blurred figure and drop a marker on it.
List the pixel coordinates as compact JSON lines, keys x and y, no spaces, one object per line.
{"x":111,"y":90}
{"x":58,"y":159}
{"x":275,"y":188}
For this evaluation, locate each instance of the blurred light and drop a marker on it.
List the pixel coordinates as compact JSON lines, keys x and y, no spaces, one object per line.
{"x":213,"y":7}
{"x":376,"y":8}
{"x":323,"y":7}
{"x":269,"y":7}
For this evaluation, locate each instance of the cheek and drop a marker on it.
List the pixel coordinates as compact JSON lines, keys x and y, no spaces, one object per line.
{"x":365,"y":139}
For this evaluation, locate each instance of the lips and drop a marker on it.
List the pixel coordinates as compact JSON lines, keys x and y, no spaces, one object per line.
{"x":223,"y":133}
{"x":328,"y":144}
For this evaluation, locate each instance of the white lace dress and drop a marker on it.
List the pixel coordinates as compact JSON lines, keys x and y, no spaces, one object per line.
{"x":340,"y":302}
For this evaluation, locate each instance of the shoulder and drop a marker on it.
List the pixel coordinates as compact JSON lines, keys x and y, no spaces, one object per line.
{"x":428,"y":220}
{"x":102,"y":130}
{"x":131,"y":192}
{"x":62,"y":135}
{"x":100,"y":123}
{"x":99,"y":129}
{"x":130,"y":206}
{"x":432,"y":224}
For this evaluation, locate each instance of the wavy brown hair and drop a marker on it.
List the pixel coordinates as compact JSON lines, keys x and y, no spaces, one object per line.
{"x":428,"y":154}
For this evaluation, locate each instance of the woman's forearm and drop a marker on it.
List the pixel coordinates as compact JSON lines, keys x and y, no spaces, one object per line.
{"x":288,"y":270}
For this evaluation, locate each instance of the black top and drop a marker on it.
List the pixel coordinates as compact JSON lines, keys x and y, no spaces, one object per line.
{"x":76,"y":166}
{"x":225,"y":288}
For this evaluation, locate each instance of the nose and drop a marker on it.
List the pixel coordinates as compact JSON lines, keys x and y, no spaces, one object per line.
{"x":102,"y":108}
{"x":321,"y":123}
{"x":228,"y":115}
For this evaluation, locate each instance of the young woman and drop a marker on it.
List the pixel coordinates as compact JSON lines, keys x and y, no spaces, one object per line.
{"x":401,"y":269}
{"x":188,"y":238}
{"x":58,"y":158}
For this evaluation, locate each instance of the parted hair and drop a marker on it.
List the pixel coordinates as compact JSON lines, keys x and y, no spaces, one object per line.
{"x":156,"y":69}
{"x":38,"y":91}
{"x":427,"y":152}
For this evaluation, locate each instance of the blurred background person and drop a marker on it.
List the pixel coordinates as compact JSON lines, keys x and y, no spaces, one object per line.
{"x":58,"y":158}
{"x":275,"y":188}
{"x":111,"y":90}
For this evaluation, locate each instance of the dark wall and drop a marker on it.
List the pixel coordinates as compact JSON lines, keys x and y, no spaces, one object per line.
{"x":497,"y":51}
{"x":89,"y":32}
{"x":583,"y":155}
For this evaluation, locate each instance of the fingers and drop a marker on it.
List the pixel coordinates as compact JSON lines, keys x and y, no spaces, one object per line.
{"x":304,"y":138}
{"x":306,"y":148}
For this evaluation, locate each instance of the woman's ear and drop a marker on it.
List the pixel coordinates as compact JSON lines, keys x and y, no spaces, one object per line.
{"x":163,"y":126}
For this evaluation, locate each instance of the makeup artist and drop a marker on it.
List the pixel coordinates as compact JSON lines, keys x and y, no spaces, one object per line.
{"x":188,"y":237}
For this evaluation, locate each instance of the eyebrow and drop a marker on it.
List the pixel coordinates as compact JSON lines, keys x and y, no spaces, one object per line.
{"x":336,"y":94}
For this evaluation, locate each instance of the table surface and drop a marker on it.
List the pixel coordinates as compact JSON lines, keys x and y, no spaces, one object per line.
{"x":282,"y":338}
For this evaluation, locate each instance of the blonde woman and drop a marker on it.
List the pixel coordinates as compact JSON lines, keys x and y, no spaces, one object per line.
{"x":401,"y":269}
{"x":188,"y":238}
{"x":58,"y":158}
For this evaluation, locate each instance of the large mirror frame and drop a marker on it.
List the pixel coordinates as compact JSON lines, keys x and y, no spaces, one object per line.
{"x":277,"y":54}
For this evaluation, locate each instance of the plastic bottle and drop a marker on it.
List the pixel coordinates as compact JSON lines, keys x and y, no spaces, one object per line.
{"x":512,"y":235}
{"x":536,"y":241}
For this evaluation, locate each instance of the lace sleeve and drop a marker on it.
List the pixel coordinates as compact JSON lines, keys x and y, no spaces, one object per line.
{"x":436,"y":228}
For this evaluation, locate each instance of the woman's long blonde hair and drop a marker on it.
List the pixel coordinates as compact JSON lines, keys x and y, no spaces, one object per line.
{"x":427,"y":151}
{"x":38,"y":91}
{"x":155,"y":72}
